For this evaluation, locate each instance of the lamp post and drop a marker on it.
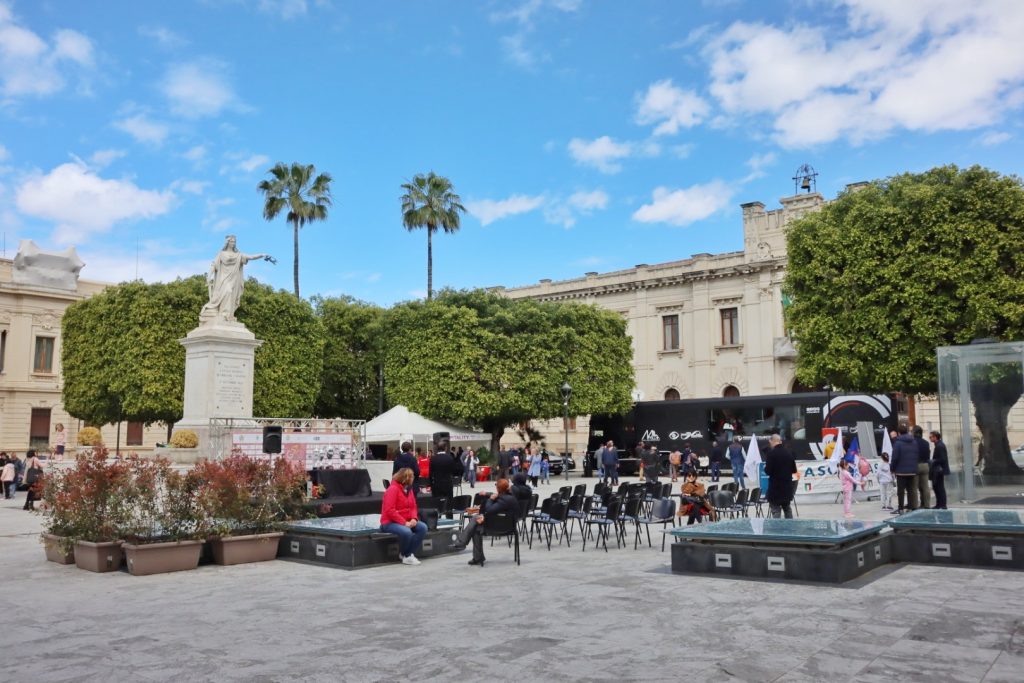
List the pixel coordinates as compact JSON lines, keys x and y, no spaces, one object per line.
{"x":566,"y":393}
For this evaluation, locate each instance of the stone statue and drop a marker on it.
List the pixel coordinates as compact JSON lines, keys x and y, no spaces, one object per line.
{"x":225,"y":281}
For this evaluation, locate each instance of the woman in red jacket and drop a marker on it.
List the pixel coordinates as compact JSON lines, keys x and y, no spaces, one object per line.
{"x":400,"y":516}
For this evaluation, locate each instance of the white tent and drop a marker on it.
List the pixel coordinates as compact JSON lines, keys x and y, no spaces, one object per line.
{"x":401,"y":424}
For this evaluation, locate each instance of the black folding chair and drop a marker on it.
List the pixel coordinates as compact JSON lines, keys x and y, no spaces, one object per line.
{"x":664,"y":513}
{"x":504,"y":525}
{"x":609,"y":521}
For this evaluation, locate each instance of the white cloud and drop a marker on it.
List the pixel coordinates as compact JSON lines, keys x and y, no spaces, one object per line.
{"x":4,"y":154}
{"x":517,"y":52}
{"x":153,"y":262}
{"x":82,"y":204}
{"x":164,"y":36}
{"x":588,"y":201}
{"x":682,"y":207}
{"x":671,"y":108}
{"x":102,"y":158}
{"x":757,"y":164}
{"x":579,"y":203}
{"x":989,"y":139}
{"x":489,"y":210}
{"x":924,"y":66}
{"x":198,"y":89}
{"x":190,"y":186}
{"x":682,"y":151}
{"x":286,"y":9}
{"x":31,"y":66}
{"x":195,"y":154}
{"x":251,"y":163}
{"x":602,"y":153}
{"x":143,"y":129}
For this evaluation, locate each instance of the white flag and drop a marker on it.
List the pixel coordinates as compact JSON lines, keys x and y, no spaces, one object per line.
{"x":886,"y":442}
{"x":838,"y":453}
{"x":750,"y":467}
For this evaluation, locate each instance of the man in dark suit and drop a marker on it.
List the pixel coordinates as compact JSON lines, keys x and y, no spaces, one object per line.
{"x":923,"y":467}
{"x":780,"y":466}
{"x":939,"y":469}
{"x":406,"y":459}
{"x":504,"y":463}
{"x":442,"y":469}
{"x":500,"y":502}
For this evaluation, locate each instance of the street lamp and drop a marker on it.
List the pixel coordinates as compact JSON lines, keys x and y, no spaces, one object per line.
{"x":566,"y":393}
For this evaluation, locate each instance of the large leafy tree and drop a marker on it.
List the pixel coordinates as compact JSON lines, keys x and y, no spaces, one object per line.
{"x":305,"y":196}
{"x":122,"y":361}
{"x":352,"y":356}
{"x":886,"y":273}
{"x":430,"y":202}
{"x":480,"y":359}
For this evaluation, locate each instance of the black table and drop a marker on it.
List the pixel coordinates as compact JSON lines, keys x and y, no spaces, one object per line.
{"x":345,"y":482}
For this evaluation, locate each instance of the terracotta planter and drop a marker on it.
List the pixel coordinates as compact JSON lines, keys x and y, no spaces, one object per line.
{"x":160,"y":558}
{"x":243,"y":549}
{"x":54,"y":552}
{"x":98,"y":557}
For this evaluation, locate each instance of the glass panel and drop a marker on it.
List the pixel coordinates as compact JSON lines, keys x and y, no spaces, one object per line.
{"x":44,"y":355}
{"x":356,"y":525}
{"x":786,"y":530}
{"x":963,"y":518}
{"x":670,"y":332}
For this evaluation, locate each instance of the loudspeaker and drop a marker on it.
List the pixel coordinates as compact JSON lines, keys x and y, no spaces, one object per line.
{"x":272,"y":439}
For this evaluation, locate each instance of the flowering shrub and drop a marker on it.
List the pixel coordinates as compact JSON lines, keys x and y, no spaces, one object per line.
{"x":89,"y":436}
{"x":165,"y":502}
{"x":184,"y":438}
{"x":242,"y":495}
{"x":90,"y":502}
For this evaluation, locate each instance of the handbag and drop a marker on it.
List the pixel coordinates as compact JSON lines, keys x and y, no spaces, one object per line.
{"x":33,"y":474}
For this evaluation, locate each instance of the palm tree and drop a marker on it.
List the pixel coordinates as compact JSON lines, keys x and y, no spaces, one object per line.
{"x":430,"y":203}
{"x":305,"y":196}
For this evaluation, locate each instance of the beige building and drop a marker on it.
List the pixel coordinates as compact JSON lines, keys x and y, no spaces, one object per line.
{"x":35,"y":289}
{"x":706,"y":326}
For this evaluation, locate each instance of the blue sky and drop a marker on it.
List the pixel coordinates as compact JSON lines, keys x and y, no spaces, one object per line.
{"x":582,"y":136}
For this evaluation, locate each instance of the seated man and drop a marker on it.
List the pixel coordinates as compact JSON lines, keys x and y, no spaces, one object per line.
{"x":695,"y":501}
{"x":400,"y":516}
{"x":520,"y":490}
{"x":499,"y":502}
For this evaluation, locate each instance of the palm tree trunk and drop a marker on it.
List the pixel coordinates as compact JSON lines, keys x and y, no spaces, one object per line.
{"x":295,"y":266}
{"x":430,"y":264}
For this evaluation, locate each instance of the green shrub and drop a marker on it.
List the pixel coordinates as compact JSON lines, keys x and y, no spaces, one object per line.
{"x":89,"y":436}
{"x":184,"y":438}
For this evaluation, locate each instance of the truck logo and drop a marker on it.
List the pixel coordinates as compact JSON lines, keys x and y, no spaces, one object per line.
{"x":683,"y":436}
{"x":650,"y":435}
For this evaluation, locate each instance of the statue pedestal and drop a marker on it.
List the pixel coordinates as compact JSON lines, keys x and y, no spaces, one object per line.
{"x":219,"y":357}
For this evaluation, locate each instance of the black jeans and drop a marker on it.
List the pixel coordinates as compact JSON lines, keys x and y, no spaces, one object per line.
{"x":905,"y":491}
{"x":939,"y":486}
{"x":611,"y":472}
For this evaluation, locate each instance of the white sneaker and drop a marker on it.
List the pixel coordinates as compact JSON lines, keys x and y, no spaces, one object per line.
{"x":410,"y":559}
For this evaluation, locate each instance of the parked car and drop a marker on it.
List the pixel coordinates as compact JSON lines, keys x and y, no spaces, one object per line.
{"x":556,"y":464}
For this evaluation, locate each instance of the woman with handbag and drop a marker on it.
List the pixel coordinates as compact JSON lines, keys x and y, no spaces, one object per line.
{"x":33,"y":477}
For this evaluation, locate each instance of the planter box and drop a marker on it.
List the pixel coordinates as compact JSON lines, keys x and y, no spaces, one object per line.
{"x":244,"y":549}
{"x":54,"y":553}
{"x":98,"y":557}
{"x":160,"y":558}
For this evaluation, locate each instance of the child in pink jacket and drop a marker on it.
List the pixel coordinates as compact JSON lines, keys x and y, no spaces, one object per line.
{"x":847,"y":481}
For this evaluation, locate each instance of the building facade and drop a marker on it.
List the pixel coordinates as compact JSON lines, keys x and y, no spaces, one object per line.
{"x":706,"y":326}
{"x":36,"y":288}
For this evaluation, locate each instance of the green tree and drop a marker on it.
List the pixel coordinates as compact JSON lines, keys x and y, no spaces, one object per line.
{"x":430,"y":202}
{"x":352,"y":356}
{"x":121,"y":358}
{"x":480,"y":359}
{"x":885,"y":274}
{"x":305,"y":195}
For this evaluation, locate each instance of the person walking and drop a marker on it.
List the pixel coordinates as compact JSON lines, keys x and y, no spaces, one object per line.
{"x":610,"y":460}
{"x":737,"y":460}
{"x":650,"y":460}
{"x":534,"y":471}
{"x":545,"y":468}
{"x":469,"y":465}
{"x":924,"y":455}
{"x":939,"y":469}
{"x":7,"y":478}
{"x":885,"y":482}
{"x":675,"y":459}
{"x":780,"y":466}
{"x":504,"y":463}
{"x":715,"y":460}
{"x":405,"y":459}
{"x":847,"y":481}
{"x":904,"y":467}
{"x":33,"y":477}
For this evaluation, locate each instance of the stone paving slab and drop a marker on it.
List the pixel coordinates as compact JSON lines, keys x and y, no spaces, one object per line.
{"x":563,"y":614}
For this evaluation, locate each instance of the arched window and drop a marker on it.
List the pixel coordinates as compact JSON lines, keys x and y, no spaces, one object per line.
{"x":672,"y":395}
{"x":730,"y":392}
{"x":801,"y":388}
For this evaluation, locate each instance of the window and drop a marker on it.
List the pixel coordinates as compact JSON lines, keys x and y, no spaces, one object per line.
{"x":44,"y":355}
{"x":39,"y":429}
{"x":730,"y":327}
{"x":730,"y":392}
{"x":670,"y":332}
{"x":571,"y":426}
{"x":671,"y":395}
{"x":134,"y":434}
{"x":3,"y":348}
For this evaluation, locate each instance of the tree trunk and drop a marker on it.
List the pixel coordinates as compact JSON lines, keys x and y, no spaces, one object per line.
{"x":170,"y":428}
{"x":992,"y":401}
{"x":430,"y":264}
{"x":295,"y":265}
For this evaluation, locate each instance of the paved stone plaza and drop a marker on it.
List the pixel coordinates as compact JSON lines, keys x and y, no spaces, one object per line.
{"x":562,"y":615}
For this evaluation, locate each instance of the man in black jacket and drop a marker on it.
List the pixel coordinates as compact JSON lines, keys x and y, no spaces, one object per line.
{"x":406,"y":459}
{"x":499,"y":502}
{"x":780,"y":466}
{"x":924,"y":455}
{"x":939,"y":469}
{"x":442,"y":470}
{"x":904,"y":467}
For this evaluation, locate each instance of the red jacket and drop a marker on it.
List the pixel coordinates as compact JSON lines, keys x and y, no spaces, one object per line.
{"x":399,"y":505}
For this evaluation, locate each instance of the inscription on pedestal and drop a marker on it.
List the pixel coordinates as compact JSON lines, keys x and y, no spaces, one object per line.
{"x":229,"y":387}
